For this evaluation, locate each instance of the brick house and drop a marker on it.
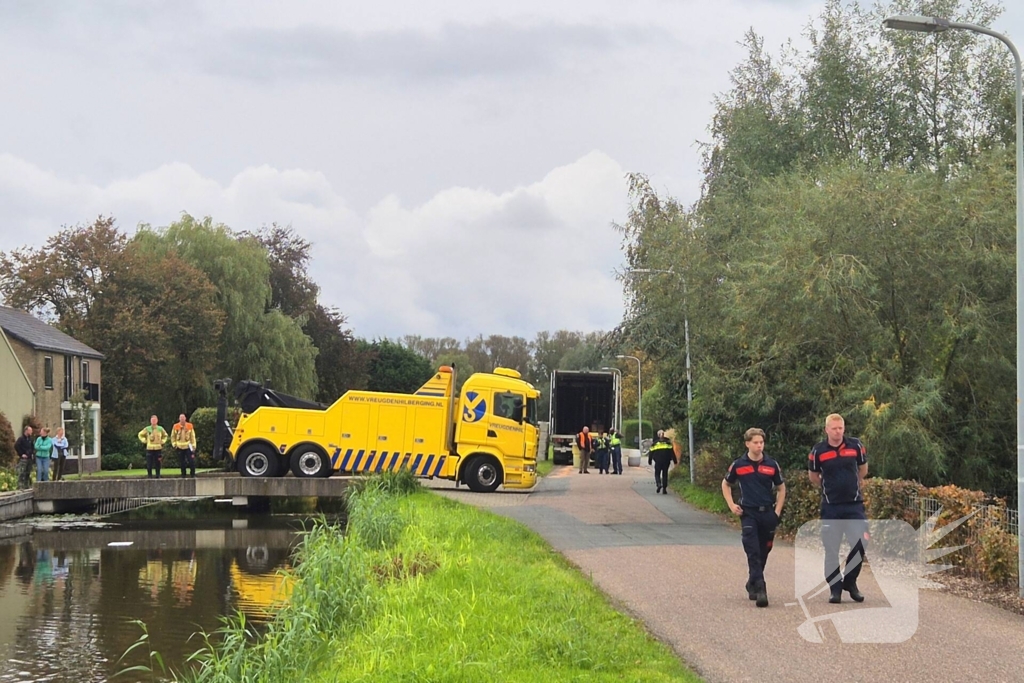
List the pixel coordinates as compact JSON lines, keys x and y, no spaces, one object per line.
{"x":49,"y":366}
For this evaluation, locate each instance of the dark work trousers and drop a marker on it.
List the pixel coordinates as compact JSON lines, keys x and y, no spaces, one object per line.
{"x":852,"y":523}
{"x":153,"y":459}
{"x":758,"y":536}
{"x":661,"y":471}
{"x":186,"y":459}
{"x":58,"y":465}
{"x":617,"y":459}
{"x":602,"y":459}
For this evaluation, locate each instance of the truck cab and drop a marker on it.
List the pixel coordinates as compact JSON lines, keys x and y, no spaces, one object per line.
{"x":496,"y":425}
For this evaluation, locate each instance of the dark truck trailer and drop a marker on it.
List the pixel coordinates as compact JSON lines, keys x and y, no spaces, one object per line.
{"x":580,"y":399}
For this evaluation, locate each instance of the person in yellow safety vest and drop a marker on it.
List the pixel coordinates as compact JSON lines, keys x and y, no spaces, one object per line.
{"x":661,"y":454}
{"x":183,"y":440}
{"x":154,"y":437}
{"x":586,"y":446}
{"x":601,"y":452}
{"x":615,"y":447}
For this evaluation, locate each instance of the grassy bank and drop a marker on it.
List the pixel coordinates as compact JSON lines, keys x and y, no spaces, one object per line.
{"x":423,"y":588}
{"x":712,"y":501}
{"x":544,"y":467}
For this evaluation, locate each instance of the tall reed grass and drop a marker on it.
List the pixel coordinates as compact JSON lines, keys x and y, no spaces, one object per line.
{"x":422,"y":588}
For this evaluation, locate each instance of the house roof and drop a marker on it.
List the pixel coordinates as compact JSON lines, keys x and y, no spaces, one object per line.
{"x":29,"y":329}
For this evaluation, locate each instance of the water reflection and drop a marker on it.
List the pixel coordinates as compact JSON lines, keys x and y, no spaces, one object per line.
{"x":67,"y":597}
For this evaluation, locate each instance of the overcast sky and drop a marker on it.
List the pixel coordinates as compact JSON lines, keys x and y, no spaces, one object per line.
{"x":458,"y":165}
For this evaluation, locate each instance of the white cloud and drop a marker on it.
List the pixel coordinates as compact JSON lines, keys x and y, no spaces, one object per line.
{"x":466,"y":261}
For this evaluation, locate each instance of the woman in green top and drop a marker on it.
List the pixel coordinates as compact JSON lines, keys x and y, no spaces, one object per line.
{"x":44,"y":447}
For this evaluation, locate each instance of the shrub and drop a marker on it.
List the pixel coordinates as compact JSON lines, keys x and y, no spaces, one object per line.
{"x":890,"y":498}
{"x":7,"y":438}
{"x":996,"y":555}
{"x":32,"y":421}
{"x":630,"y":430}
{"x":710,"y":464}
{"x":803,"y":502}
{"x":8,"y":480}
{"x":204,"y":422}
{"x":116,"y":461}
{"x":124,"y":441}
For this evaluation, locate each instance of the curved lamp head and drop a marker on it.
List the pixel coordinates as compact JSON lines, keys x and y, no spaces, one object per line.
{"x":911,"y":22}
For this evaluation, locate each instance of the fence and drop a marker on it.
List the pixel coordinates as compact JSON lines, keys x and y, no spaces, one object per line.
{"x":989,"y":538}
{"x":110,"y":506}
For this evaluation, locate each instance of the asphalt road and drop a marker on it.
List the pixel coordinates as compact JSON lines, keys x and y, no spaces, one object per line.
{"x":681,"y":571}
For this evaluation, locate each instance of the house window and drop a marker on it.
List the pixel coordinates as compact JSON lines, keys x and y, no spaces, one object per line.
{"x":48,"y":372}
{"x":85,"y":374}
{"x":68,"y":379}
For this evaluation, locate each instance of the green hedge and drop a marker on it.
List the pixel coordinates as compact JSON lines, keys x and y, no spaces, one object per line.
{"x":630,"y":429}
{"x":7,"y":439}
{"x":203,"y":421}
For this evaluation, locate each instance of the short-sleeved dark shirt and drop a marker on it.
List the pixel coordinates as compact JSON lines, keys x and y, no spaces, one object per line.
{"x":838,"y":467}
{"x":756,"y":478}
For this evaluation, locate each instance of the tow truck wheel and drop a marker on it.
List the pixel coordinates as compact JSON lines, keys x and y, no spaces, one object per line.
{"x":257,"y":460}
{"x":483,"y":474}
{"x":310,"y":461}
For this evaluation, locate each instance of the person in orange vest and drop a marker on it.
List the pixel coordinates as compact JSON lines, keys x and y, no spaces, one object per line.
{"x":183,"y":440}
{"x":586,"y":445}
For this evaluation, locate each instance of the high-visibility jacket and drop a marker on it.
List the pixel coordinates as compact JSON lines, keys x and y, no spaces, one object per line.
{"x":661,"y":450}
{"x":614,"y":441}
{"x":183,"y":436}
{"x":600,"y":443}
{"x":153,"y":437}
{"x":585,"y":441}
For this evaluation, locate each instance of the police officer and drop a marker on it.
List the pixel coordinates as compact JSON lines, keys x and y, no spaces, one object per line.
{"x":615,"y":446}
{"x":661,"y":454}
{"x":758,"y":510}
{"x":838,"y":466}
{"x":601,"y":452}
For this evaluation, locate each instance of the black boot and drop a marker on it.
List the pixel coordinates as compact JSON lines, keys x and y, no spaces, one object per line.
{"x":837,"y":594}
{"x":751,"y":591}
{"x":762,"y":594}
{"x":854,"y":592}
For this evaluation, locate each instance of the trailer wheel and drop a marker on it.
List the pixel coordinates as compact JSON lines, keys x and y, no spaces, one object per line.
{"x":309,"y":461}
{"x":258,"y":460}
{"x":483,"y":474}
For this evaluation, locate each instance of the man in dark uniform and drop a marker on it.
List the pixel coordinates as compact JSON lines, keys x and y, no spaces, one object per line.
{"x":601,"y":452}
{"x":661,"y":454}
{"x":758,"y":509}
{"x":838,"y":466}
{"x":615,"y":447}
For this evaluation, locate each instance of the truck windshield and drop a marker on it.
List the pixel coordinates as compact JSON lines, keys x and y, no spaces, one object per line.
{"x":531,"y":411}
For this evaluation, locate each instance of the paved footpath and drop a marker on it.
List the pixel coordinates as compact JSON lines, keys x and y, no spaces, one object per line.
{"x":681,"y":571}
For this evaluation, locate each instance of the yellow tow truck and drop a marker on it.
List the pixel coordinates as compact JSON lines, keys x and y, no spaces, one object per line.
{"x":484,"y":437}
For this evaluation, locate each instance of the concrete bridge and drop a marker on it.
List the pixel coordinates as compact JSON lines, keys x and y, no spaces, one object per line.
{"x":58,"y":496}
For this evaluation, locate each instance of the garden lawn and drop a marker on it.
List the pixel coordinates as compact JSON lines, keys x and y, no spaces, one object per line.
{"x":490,"y":601}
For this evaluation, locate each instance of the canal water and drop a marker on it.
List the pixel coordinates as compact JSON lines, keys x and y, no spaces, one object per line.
{"x":70,"y":592}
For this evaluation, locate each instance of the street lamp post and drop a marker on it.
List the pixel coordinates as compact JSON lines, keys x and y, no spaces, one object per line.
{"x":689,"y":376}
{"x":936,"y":25}
{"x":618,"y":398}
{"x":639,"y":402}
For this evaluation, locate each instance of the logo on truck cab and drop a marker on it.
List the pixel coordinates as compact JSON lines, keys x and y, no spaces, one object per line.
{"x":475,"y":408}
